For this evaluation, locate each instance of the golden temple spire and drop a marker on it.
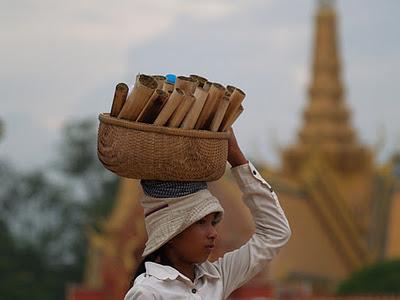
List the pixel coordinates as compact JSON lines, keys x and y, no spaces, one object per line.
{"x":326,"y":115}
{"x":326,"y":120}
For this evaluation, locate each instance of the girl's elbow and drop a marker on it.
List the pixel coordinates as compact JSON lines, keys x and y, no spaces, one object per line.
{"x":287,"y":234}
{"x":284,"y":235}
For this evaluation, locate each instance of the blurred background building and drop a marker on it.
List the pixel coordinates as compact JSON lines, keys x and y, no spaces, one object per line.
{"x":343,"y":208}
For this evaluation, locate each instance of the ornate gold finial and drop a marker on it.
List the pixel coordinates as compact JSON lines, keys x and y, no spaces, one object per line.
{"x":326,"y":3}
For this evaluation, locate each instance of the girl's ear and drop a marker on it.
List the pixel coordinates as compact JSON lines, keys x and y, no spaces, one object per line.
{"x":158,"y":259}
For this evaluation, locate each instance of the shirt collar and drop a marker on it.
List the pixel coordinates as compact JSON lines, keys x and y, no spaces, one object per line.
{"x":207,"y":269}
{"x":162,"y":272}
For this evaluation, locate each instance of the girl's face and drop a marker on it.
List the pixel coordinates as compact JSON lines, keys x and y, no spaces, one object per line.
{"x":196,"y":242}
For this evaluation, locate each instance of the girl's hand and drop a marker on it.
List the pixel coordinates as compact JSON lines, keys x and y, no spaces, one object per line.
{"x":235,"y":155}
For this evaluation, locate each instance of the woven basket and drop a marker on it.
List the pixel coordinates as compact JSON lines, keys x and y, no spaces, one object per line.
{"x":145,"y":151}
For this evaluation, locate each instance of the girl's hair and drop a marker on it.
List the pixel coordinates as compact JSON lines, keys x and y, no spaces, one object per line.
{"x":157,"y":256}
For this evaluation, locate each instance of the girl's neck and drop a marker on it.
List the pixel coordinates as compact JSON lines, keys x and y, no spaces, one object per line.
{"x":185,"y":268}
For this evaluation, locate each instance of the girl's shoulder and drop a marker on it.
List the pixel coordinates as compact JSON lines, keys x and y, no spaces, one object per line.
{"x":141,"y":289}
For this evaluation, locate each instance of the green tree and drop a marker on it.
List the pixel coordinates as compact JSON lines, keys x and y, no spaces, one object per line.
{"x":25,"y":273}
{"x":380,"y":278}
{"x":44,"y":213}
{"x":79,"y":164}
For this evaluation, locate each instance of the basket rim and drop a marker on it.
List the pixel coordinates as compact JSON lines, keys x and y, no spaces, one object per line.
{"x":205,"y":134}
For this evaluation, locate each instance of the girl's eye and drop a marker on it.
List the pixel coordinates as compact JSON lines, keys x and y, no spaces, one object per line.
{"x":214,"y":223}
{"x":201,"y":221}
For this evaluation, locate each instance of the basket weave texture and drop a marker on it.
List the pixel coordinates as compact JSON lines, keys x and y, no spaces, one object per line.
{"x":145,"y":151}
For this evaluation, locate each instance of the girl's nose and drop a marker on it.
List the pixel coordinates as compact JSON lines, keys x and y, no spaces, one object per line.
{"x":212,"y":232}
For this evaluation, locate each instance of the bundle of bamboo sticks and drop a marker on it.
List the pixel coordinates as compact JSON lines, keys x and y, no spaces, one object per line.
{"x":182,"y":102}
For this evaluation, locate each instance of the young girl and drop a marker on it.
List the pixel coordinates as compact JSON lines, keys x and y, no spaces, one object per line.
{"x":180,"y":220}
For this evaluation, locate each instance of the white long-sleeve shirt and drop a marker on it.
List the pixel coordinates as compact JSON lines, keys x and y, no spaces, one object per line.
{"x":217,"y":280}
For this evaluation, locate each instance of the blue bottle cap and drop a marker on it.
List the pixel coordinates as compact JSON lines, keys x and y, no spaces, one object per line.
{"x":170,"y":78}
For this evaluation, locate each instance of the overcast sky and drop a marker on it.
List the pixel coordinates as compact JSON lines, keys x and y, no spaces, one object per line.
{"x":61,"y":60}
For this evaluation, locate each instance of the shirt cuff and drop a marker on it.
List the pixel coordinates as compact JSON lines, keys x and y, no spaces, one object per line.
{"x":247,"y":174}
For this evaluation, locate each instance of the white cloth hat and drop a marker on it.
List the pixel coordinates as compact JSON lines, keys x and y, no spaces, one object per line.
{"x":167,"y":217}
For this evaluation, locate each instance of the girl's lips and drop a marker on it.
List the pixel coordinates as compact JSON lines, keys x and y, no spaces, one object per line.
{"x":210,"y":247}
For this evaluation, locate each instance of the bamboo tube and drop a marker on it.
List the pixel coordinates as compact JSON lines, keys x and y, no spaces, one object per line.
{"x":232,"y":119}
{"x":121,"y":92}
{"x":182,"y":110}
{"x":214,"y":95}
{"x":168,"y":87}
{"x":230,"y":88}
{"x":186,"y":84}
{"x":235,"y":101}
{"x":207,"y":86}
{"x":190,"y":120}
{"x":215,"y":108}
{"x":173,"y":102}
{"x":137,"y":99}
{"x":200,"y":80}
{"x":219,"y":115}
{"x":153,"y":107}
{"x":160,"y":81}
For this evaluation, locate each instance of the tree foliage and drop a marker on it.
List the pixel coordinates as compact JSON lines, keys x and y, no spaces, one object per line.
{"x":25,"y":273}
{"x":44,"y":214}
{"x":377,"y":279}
